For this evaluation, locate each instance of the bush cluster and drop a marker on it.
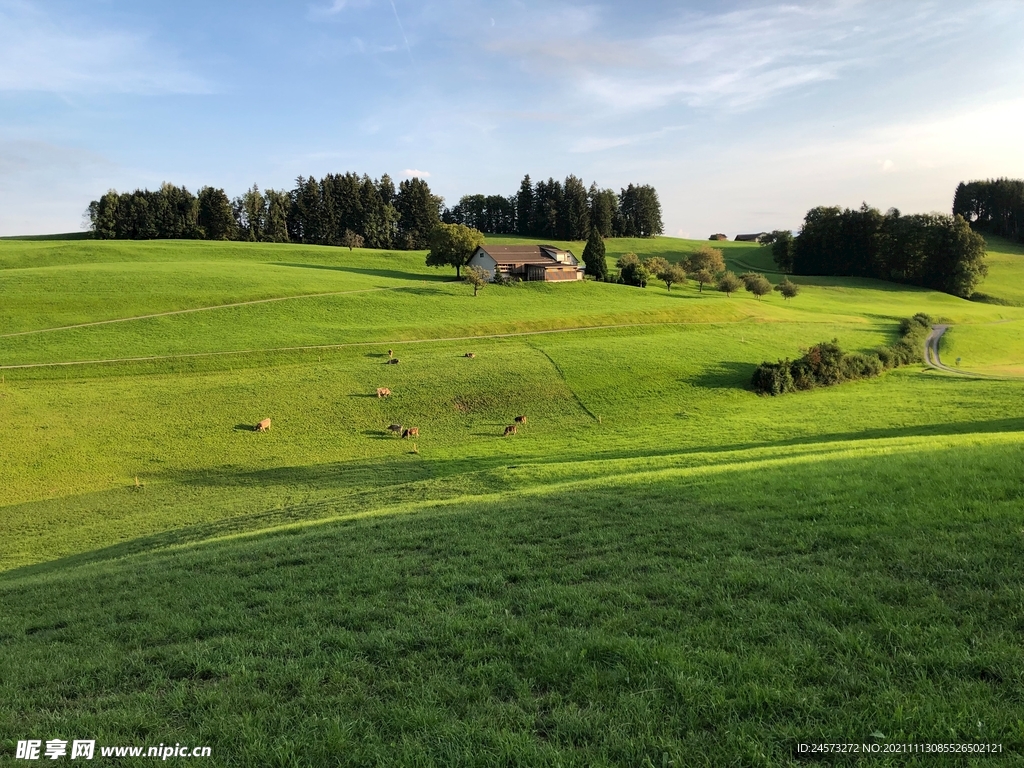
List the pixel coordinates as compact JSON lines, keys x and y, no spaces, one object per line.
{"x":825,"y":364}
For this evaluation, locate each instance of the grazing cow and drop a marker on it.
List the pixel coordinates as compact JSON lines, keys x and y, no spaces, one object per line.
{"x":391,"y":353}
{"x":411,"y":432}
{"x":510,"y":430}
{"x":263,"y":426}
{"x":396,"y":428}
{"x":393,"y":361}
{"x":520,"y":419}
{"x":470,"y":354}
{"x":383,"y":392}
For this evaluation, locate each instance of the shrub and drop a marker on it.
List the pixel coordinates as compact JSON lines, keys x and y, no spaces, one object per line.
{"x":773,"y":378}
{"x":858,"y":366}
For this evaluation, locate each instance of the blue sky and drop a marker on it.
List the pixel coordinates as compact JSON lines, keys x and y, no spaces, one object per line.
{"x":743,"y":115}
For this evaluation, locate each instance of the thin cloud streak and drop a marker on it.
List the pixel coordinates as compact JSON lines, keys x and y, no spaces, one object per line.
{"x":737,"y":59}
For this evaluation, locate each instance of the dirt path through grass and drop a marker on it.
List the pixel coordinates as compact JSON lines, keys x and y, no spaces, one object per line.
{"x":932,"y":360}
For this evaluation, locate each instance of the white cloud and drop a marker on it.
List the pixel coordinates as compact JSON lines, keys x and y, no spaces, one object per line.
{"x":734,"y":59}
{"x":413,"y":173}
{"x":42,"y":53}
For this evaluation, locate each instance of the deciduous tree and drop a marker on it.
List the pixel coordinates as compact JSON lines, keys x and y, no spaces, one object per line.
{"x":351,"y":240}
{"x":672,"y":274}
{"x":452,"y":245}
{"x":477,"y":277}
{"x":787,"y":289}
{"x":729,"y":283}
{"x":704,"y":265}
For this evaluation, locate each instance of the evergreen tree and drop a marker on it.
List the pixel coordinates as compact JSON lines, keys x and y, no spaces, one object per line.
{"x":525,"y":207}
{"x":275,"y":222}
{"x":214,"y":217}
{"x":594,"y":256}
{"x":379,"y":218}
{"x":419,"y":213}
{"x":640,"y":212}
{"x":604,"y":209}
{"x":250,"y":214}
{"x":577,"y":209}
{"x":104,"y":216}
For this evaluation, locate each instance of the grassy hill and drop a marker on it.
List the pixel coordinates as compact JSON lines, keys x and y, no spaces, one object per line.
{"x":660,"y":568}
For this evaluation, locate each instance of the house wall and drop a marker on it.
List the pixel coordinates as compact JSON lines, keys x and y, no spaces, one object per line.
{"x":484,"y":260}
{"x":558,"y":274}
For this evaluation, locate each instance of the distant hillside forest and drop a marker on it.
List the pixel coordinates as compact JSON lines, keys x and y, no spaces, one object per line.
{"x":353,"y":210}
{"x":995,"y":206}
{"x":929,"y":250}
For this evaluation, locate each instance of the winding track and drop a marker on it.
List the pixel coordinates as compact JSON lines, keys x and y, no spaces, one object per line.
{"x":932,"y":360}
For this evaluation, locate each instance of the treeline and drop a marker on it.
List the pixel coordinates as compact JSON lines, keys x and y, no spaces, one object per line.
{"x":930,"y":250}
{"x":995,"y":206}
{"x":566,"y":210}
{"x":825,"y":364}
{"x":339,"y":209}
{"x":349,"y":209}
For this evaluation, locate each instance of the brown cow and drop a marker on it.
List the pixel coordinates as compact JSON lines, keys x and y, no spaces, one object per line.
{"x":411,"y":432}
{"x":393,"y":361}
{"x":470,"y":354}
{"x":396,"y":428}
{"x":383,"y":392}
{"x":263,"y":426}
{"x":520,"y":419}
{"x":510,"y":430}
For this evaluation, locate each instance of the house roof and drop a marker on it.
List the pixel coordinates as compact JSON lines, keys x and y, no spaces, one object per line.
{"x":543,"y":255}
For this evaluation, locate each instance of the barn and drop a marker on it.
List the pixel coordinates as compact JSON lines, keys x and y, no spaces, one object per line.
{"x":751,"y":238}
{"x":527,"y":262}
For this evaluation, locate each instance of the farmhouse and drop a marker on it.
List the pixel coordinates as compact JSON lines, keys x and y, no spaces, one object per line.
{"x":527,"y":262}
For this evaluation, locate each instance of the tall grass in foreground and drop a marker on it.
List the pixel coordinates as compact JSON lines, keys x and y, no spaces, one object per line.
{"x":667,"y":619}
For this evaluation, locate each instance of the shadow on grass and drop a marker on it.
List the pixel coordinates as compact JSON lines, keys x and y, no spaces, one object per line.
{"x":245,"y":428}
{"x":725,"y":375}
{"x":985,"y":298}
{"x":363,"y":486}
{"x":388,"y":273}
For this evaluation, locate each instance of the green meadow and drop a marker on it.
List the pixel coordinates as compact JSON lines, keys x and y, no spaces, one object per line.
{"x":660,"y":568}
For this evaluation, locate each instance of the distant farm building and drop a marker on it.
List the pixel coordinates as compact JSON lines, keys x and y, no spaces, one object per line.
{"x":527,"y":262}
{"x":719,"y":236}
{"x":749,"y":238}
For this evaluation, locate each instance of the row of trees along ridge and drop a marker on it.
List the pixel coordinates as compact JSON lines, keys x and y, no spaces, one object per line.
{"x":339,"y":209}
{"x":929,"y":250}
{"x":353,"y":211}
{"x":995,"y":206}
{"x":566,"y":210}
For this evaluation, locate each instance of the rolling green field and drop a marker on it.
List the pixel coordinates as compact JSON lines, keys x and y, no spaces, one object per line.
{"x":661,"y":568}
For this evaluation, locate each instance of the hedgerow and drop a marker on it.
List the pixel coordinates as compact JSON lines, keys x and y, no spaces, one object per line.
{"x":825,"y":364}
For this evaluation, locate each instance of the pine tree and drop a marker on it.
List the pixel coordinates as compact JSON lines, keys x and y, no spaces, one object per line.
{"x":577,"y":209}
{"x":215,"y":217}
{"x":593,"y":256}
{"x":525,"y":207}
